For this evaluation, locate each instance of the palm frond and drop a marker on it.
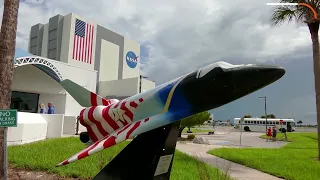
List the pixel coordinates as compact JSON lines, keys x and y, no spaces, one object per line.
{"x":303,"y":13}
{"x":282,"y":14}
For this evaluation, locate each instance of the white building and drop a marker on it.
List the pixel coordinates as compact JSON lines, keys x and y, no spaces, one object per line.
{"x":70,"y":47}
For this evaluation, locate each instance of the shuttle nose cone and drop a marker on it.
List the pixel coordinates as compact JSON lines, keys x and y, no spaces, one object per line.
{"x":253,"y":77}
{"x":218,"y":86}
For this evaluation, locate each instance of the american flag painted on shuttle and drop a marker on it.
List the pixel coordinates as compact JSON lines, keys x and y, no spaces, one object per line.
{"x":83,"y":41}
{"x":102,"y":120}
{"x":98,"y":100}
{"x":116,"y":137}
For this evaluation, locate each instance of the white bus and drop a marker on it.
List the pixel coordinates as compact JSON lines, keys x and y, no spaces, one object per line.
{"x":259,"y":124}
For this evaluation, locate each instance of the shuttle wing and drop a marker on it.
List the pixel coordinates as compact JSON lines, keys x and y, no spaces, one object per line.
{"x":116,"y":137}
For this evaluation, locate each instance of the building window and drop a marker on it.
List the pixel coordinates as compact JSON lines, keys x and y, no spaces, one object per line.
{"x":24,"y":102}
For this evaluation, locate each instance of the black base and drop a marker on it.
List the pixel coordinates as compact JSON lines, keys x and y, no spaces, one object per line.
{"x":139,"y":160}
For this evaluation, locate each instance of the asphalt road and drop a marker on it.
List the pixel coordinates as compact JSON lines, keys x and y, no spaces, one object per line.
{"x":227,"y":136}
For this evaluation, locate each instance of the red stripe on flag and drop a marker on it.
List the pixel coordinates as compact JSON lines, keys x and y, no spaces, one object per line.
{"x":89,"y":43}
{"x":109,"y":120}
{"x":78,"y":48}
{"x":86,"y":153}
{"x":105,"y":102}
{"x":91,"y":134}
{"x":124,"y":128}
{"x":109,"y":142}
{"x":93,"y":99}
{"x":146,"y":120}
{"x":127,"y":111}
{"x":133,"y":104}
{"x":93,"y":120}
{"x":65,"y":162}
{"x":82,"y":48}
{"x":89,"y":129}
{"x":135,"y":126}
{"x":85,"y":44}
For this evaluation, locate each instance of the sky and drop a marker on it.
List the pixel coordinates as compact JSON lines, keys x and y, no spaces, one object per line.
{"x":180,"y":36}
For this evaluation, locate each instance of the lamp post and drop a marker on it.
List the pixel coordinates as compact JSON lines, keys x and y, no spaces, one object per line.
{"x":265,"y":111}
{"x":77,"y":125}
{"x":140,"y":82}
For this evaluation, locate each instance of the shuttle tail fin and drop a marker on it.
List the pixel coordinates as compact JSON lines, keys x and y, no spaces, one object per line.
{"x":83,"y":96}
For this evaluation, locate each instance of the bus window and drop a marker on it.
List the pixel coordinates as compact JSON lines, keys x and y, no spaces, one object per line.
{"x":284,"y":123}
{"x":263,"y":122}
{"x":245,"y":122}
{"x":277,"y":122}
{"x":254,"y":122}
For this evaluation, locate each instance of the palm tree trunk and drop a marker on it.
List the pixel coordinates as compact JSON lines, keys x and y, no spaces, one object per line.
{"x":314,"y":28}
{"x":7,"y":50}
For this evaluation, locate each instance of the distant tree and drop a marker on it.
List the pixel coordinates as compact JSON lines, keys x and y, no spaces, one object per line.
{"x":194,"y":120}
{"x":247,"y":116}
{"x":269,"y":116}
{"x":299,"y":122}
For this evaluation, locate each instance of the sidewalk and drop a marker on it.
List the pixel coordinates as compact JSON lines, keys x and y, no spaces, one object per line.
{"x":235,"y":170}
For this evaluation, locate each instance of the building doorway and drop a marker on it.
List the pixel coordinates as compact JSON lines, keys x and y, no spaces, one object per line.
{"x":24,"y":102}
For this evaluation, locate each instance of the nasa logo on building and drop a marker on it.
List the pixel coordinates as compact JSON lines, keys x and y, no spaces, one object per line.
{"x":132,"y":59}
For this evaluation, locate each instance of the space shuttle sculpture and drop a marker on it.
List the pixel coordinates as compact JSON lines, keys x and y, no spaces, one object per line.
{"x":110,"y":121}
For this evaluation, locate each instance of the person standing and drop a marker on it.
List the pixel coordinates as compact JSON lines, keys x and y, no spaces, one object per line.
{"x":269,"y":134}
{"x":50,"y":108}
{"x":274,"y":133}
{"x":42,"y":108}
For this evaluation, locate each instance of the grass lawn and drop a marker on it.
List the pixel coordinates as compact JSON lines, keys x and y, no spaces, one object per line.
{"x":44,"y":155}
{"x":195,"y":130}
{"x":295,"y":161}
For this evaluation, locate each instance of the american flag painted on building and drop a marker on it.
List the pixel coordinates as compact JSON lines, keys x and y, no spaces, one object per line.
{"x":83,"y":41}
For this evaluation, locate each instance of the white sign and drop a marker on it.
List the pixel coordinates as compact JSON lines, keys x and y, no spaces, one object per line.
{"x":163,"y":164}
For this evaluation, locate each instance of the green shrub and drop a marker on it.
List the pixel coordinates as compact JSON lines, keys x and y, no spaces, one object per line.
{"x":191,"y":136}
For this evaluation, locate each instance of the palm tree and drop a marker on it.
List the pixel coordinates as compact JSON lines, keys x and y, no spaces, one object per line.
{"x":303,"y":14}
{"x":7,"y":50}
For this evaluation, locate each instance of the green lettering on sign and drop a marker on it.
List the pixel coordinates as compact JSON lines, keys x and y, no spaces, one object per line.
{"x":8,"y":118}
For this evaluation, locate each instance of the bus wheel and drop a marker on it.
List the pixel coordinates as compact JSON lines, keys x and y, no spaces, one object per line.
{"x":246,"y":128}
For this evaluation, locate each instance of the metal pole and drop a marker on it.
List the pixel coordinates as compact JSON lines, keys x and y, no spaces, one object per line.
{"x":265,"y":112}
{"x":240,"y":133}
{"x":140,"y":84}
{"x":5,"y":163}
{"x":77,"y":125}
